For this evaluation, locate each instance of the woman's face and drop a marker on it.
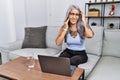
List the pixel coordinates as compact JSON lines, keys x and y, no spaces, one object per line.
{"x":74,"y":16}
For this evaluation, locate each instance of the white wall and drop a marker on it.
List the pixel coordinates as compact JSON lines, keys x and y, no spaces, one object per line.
{"x":19,"y":15}
{"x":36,"y":14}
{"x":15,"y":15}
{"x":29,"y":13}
{"x":57,"y":10}
{"x":7,"y":27}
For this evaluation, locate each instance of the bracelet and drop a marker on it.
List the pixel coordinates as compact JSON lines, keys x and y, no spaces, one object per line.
{"x":65,"y":29}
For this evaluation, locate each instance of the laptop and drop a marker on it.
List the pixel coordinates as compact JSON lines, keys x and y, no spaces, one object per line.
{"x":56,"y":65}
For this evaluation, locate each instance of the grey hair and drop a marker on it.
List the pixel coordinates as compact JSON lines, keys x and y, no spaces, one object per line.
{"x":80,"y":25}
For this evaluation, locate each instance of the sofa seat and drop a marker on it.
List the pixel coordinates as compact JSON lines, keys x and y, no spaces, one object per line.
{"x":108,"y":68}
{"x":92,"y":61}
{"x":36,"y":51}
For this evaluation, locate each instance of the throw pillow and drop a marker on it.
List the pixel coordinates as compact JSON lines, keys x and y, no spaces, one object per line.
{"x":35,"y":37}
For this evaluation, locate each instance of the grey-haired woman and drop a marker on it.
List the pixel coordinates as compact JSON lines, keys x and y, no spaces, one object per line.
{"x":73,"y":32}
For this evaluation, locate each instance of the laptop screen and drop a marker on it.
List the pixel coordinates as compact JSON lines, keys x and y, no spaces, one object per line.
{"x":56,"y":65}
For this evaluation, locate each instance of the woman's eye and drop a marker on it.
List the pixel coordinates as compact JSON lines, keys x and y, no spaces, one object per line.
{"x":72,"y":14}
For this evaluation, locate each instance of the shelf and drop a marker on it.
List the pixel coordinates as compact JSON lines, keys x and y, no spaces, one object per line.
{"x":103,"y":17}
{"x":111,"y":17}
{"x":94,"y":3}
{"x":93,"y":17}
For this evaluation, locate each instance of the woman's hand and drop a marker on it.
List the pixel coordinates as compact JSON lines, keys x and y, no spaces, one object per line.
{"x":83,"y":17}
{"x":88,"y":31}
{"x":66,"y":24}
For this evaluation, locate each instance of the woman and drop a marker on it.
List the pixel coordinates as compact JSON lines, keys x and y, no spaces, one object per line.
{"x":74,"y":31}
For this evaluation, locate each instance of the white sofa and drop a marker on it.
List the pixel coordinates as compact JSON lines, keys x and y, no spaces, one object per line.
{"x":103,"y":52}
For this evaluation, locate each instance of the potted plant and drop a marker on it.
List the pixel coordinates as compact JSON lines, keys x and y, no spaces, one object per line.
{"x":93,"y":12}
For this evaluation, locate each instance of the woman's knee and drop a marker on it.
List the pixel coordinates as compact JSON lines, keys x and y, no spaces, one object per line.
{"x":76,"y":60}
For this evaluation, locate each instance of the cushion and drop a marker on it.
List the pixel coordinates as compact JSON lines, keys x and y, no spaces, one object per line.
{"x":35,"y":37}
{"x":111,"y":44}
{"x":51,"y":35}
{"x":94,"y":45}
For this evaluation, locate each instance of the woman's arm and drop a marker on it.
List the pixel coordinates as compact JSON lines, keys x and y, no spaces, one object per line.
{"x":62,"y":33}
{"x":61,"y":36}
{"x":88,"y":31}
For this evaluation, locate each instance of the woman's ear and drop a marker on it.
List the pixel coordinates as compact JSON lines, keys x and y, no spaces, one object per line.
{"x":80,"y":15}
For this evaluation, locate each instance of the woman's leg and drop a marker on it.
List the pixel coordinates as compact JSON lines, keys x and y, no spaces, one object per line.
{"x":79,"y":58}
{"x":66,"y":54}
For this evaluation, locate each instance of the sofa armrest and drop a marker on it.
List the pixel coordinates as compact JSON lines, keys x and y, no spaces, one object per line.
{"x":11,"y":46}
{"x":6,"y":48}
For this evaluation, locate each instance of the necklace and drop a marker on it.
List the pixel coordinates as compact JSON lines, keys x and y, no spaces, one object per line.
{"x":73,"y":33}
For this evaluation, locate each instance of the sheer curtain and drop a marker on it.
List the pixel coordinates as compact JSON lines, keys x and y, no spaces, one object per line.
{"x":7,"y":22}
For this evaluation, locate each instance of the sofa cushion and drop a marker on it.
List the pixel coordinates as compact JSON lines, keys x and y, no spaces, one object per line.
{"x":111,"y":44}
{"x":89,"y":66}
{"x":51,"y":35}
{"x":108,"y":68}
{"x":94,"y":45}
{"x":35,"y":37}
{"x":36,"y":51}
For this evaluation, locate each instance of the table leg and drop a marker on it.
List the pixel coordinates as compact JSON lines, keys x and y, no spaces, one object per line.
{"x":82,"y":76}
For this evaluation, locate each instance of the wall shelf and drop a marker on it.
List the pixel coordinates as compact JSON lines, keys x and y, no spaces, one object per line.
{"x":104,"y":10}
{"x":103,"y":17}
{"x":94,"y":3}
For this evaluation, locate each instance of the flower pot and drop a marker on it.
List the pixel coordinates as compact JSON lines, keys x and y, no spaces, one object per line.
{"x":93,"y":13}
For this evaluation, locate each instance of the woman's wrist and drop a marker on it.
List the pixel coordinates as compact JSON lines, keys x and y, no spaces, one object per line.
{"x":65,"y":29}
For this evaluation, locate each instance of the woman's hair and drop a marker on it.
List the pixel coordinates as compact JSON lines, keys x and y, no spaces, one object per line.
{"x":80,"y":26}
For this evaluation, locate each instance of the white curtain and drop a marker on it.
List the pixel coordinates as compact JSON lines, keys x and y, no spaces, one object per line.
{"x":7,"y":22}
